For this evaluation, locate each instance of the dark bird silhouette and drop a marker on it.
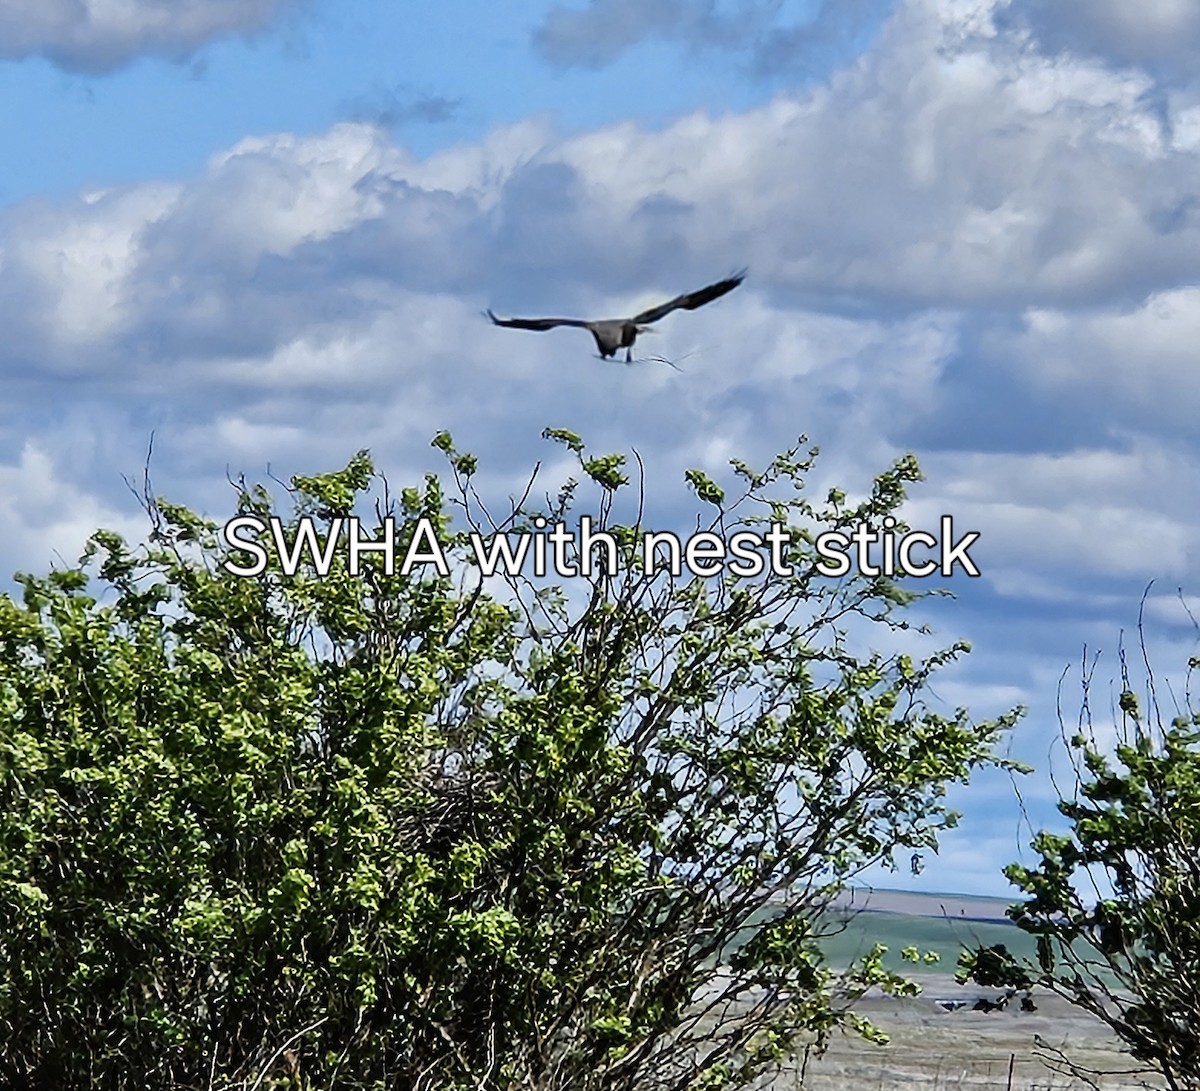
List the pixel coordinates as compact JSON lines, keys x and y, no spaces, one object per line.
{"x":620,"y":333}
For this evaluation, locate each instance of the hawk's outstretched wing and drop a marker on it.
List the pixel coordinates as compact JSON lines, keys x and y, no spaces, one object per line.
{"x":689,"y":301}
{"x":536,"y":323}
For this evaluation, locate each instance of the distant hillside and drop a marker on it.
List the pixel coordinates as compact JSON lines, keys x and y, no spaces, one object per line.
{"x":931,"y":921}
{"x":971,"y":907}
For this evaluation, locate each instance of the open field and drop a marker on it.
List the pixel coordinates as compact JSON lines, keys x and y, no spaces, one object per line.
{"x":935,"y":1048}
{"x":938,"y":1042}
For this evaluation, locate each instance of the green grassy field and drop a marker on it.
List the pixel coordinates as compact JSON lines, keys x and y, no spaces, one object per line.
{"x":943,"y":935}
{"x":944,"y":924}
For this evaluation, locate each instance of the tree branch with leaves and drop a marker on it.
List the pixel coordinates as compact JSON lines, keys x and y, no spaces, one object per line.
{"x":1114,"y":901}
{"x":442,"y":831}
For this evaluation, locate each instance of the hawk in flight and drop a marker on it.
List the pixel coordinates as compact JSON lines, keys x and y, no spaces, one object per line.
{"x":612,"y":334}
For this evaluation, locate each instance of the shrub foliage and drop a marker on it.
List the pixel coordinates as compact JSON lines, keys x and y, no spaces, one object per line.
{"x":434,"y":831}
{"x":1115,"y":899}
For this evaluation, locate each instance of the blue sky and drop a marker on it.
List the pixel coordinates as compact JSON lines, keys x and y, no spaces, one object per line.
{"x":265,"y":230}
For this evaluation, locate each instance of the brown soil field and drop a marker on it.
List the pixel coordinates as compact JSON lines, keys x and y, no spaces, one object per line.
{"x":933,"y":1047}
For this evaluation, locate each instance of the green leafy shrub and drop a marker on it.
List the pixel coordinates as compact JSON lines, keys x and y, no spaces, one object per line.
{"x":1115,"y":900}
{"x":395,"y":831}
